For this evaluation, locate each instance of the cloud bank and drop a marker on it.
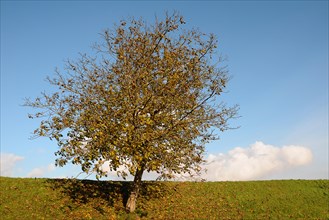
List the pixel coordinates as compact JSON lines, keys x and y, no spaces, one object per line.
{"x":8,"y":162}
{"x":254,"y":162}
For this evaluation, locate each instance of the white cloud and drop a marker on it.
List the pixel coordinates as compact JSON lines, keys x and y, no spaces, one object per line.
{"x":255,"y":162}
{"x":8,"y":162}
{"x":258,"y":161}
{"x":113,"y":174}
{"x":40,"y":171}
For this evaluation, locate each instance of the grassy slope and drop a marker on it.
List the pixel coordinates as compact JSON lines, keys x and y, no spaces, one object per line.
{"x":72,"y":199}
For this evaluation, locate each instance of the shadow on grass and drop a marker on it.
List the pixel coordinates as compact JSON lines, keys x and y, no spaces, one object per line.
{"x":111,"y":193}
{"x":82,"y":191}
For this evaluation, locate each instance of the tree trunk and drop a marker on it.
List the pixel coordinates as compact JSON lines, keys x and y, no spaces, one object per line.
{"x":131,"y":203}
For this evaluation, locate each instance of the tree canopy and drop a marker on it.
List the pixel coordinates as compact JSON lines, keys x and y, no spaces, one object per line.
{"x":148,"y":100}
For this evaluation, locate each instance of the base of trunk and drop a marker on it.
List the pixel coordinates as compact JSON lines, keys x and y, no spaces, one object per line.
{"x":131,"y":203}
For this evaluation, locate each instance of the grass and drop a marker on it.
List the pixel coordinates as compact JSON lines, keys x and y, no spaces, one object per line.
{"x":23,"y":198}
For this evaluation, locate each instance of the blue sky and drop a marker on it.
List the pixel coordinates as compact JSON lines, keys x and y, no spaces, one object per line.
{"x":277,"y":53}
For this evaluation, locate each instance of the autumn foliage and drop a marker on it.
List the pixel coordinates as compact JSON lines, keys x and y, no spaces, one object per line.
{"x":147,"y":101}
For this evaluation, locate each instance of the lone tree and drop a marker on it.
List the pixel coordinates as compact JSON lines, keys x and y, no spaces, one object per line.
{"x":147,"y":101}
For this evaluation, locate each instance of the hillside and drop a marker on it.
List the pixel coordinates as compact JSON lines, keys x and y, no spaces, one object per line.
{"x":23,"y":198}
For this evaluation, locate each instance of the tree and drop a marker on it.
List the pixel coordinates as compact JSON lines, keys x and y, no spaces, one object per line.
{"x":147,"y":101}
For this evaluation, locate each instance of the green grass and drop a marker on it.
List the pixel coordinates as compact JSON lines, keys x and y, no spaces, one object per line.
{"x":77,"y":199}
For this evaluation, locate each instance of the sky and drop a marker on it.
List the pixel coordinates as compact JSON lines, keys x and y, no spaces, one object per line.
{"x":275,"y":51}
